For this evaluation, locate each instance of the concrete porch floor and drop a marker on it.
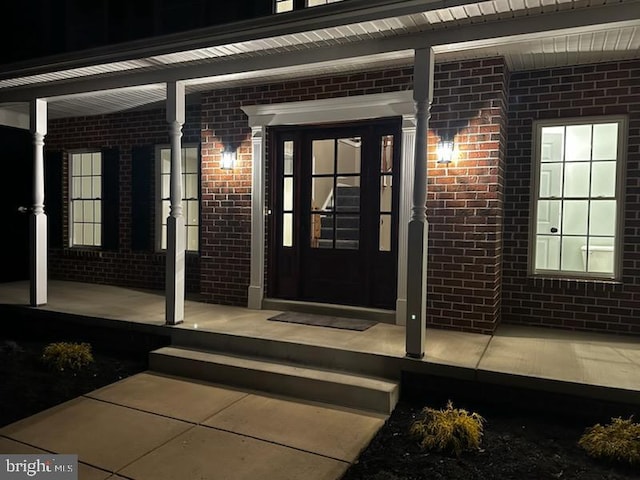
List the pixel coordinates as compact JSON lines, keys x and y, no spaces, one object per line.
{"x":154,"y":426}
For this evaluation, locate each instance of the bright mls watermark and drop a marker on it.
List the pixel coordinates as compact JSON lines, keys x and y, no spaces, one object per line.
{"x":38,"y":467}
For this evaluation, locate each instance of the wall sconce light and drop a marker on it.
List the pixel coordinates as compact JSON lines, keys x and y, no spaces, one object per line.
{"x":445,"y":152}
{"x":228,"y":161}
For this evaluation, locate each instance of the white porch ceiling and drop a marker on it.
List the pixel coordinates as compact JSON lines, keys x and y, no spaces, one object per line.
{"x":254,"y":57}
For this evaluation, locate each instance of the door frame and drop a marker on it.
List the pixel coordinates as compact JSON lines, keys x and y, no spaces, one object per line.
{"x":334,"y":110}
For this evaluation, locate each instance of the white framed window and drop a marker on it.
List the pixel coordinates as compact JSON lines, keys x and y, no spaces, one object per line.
{"x":85,"y":206}
{"x":577,"y":199}
{"x":282,"y":6}
{"x":190,"y":194}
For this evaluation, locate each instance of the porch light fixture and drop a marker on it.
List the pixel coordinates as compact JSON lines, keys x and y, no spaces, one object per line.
{"x":228,"y":161}
{"x":445,"y":152}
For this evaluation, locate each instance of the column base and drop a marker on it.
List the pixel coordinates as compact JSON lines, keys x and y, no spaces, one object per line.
{"x":174,"y":292}
{"x":255,"y":296}
{"x":38,"y":260}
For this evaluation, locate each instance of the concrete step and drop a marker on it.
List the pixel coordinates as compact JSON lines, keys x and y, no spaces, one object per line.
{"x":327,"y":386}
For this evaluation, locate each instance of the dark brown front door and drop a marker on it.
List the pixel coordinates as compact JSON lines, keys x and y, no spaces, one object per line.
{"x":334,"y":214}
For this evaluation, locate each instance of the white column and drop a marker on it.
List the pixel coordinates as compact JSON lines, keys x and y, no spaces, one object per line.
{"x":418,"y":226}
{"x":406,"y":201}
{"x":175,"y":270}
{"x":38,"y":220}
{"x":256,"y":285}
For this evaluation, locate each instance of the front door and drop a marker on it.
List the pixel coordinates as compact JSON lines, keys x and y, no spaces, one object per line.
{"x":334,"y":214}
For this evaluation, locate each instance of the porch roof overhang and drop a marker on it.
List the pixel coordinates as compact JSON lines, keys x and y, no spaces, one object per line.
{"x":340,"y":37}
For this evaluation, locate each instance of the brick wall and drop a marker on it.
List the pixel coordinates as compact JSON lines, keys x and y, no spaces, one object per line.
{"x":124,"y":131}
{"x":465,"y":199}
{"x":587,"y":90}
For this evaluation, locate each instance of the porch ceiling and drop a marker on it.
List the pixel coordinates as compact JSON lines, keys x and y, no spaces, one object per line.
{"x":528,"y":33}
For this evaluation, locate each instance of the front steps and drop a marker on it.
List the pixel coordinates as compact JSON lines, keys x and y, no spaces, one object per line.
{"x":279,"y":377}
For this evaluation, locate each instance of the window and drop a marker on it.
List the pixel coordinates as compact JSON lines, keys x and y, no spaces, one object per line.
{"x":190,"y":194}
{"x":578,"y":200}
{"x":282,"y":6}
{"x":86,"y":199}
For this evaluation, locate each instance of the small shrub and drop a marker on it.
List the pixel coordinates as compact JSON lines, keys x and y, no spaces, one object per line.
{"x":451,"y":430}
{"x":618,"y":441}
{"x":67,"y":356}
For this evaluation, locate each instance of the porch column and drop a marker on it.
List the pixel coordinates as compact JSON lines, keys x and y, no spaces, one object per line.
{"x":418,"y":226}
{"x":175,"y":271}
{"x":406,"y":200}
{"x":38,"y":220}
{"x":256,"y":286}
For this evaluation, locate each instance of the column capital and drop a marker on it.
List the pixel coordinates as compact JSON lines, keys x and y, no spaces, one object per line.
{"x":175,"y":102}
{"x":38,"y":116}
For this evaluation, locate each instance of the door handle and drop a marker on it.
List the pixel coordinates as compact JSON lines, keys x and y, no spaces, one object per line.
{"x":554,"y":230}
{"x":22,"y":209}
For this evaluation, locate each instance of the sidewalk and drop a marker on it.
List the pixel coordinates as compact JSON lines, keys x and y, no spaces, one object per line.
{"x":157,"y":427}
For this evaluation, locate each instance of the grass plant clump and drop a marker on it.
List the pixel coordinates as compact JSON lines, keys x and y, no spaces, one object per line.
{"x":618,"y":441}
{"x":451,"y":430}
{"x":63,"y":356}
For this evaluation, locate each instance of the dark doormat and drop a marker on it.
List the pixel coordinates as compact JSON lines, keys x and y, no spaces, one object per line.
{"x":323,"y":321}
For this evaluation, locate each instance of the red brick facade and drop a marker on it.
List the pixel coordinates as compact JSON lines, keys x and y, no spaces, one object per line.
{"x":473,"y":281}
{"x":588,"y":90}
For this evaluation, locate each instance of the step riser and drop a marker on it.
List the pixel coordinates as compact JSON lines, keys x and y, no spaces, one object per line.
{"x":362,"y":363}
{"x":298,"y":387}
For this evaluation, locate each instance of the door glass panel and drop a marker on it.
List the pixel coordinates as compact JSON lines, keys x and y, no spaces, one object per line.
{"x":287,"y":230}
{"x":386,"y":195}
{"x":347,"y":232}
{"x":288,"y":157}
{"x":386,"y":154}
{"x":603,"y":179}
{"x":323,"y":157}
{"x":287,"y":195}
{"x":576,"y":179}
{"x":548,"y":216}
{"x":322,"y":193}
{"x":349,"y":155}
{"x":605,"y":141}
{"x":385,"y":233}
{"x":348,"y":194}
{"x":552,"y":145}
{"x":578,"y":145}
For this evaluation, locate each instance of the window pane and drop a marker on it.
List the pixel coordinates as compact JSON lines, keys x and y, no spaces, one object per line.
{"x":76,"y":206}
{"x":603,"y":217}
{"x":385,"y":233}
{"x":603,"y":179}
{"x":163,"y":237}
{"x":76,"y":165}
{"x":574,"y":221}
{"x":97,"y":211}
{"x":287,"y":230}
{"x":572,"y":258}
{"x":549,"y":216}
{"x":96,"y":163}
{"x":190,"y":156}
{"x":77,"y":234}
{"x":191,"y":185}
{"x":86,"y":187}
{"x":323,"y":156}
{"x":578,"y":145}
{"x":87,"y":234}
{"x":76,"y":187}
{"x":349,"y":155}
{"x":386,"y":154}
{"x":288,"y":158}
{"x":87,"y":211}
{"x":87,"y":164}
{"x":165,"y":210}
{"x":552,"y":144}
{"x":284,"y":6}
{"x":317,"y":222}
{"x":287,"y":203}
{"x":386,"y":196}
{"x":322,"y":193}
{"x":97,"y":187}
{"x":192,"y":238}
{"x":348,"y":194}
{"x":97,"y":234}
{"x":165,"y":160}
{"x":547,"y":252}
{"x":600,"y":255}
{"x":165,"y":186}
{"x":192,"y":212}
{"x":576,"y":179}
{"x":605,"y":141}
{"x":551,"y":180}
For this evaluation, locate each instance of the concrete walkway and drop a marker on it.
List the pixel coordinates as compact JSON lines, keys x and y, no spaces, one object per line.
{"x":157,"y":427}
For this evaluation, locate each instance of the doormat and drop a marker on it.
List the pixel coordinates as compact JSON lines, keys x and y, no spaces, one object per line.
{"x":323,"y":321}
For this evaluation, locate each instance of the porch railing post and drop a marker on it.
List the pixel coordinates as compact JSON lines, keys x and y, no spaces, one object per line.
{"x":38,"y":220}
{"x":419,"y":226}
{"x":175,"y":268}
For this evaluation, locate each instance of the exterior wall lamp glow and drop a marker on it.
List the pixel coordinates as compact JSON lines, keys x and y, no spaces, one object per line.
{"x":445,"y":152}
{"x":228,"y":161}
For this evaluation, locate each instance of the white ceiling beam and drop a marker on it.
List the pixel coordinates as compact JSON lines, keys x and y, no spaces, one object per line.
{"x":443,"y":40}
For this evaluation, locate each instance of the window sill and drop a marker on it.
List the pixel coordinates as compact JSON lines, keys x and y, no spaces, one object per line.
{"x":574,"y":283}
{"x":83,"y":252}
